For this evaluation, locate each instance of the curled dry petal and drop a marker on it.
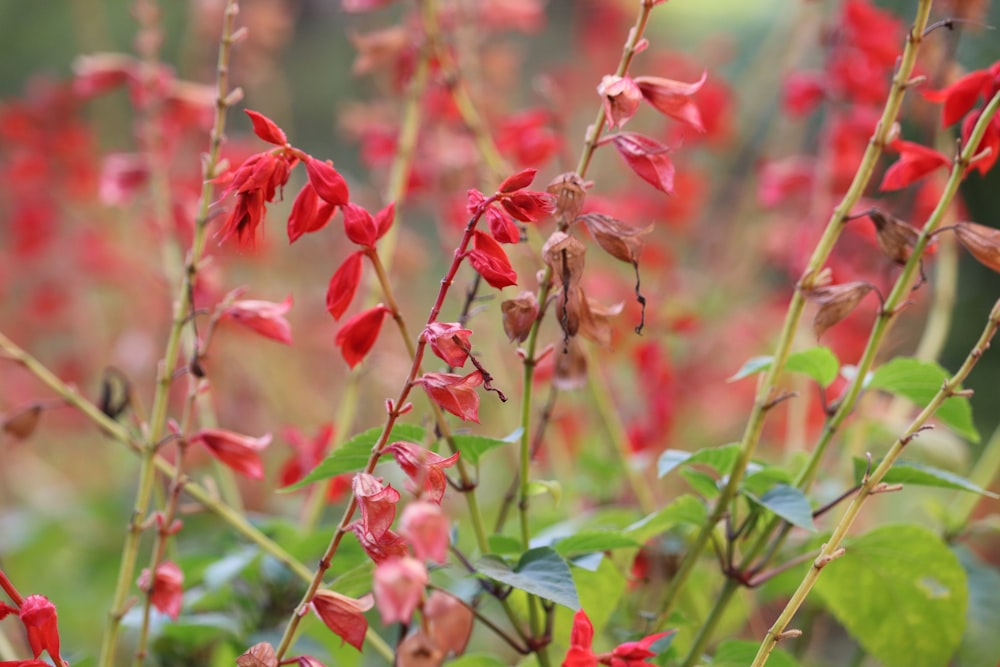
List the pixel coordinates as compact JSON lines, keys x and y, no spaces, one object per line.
{"x":895,"y":237}
{"x":983,"y":242}
{"x":519,"y":315}
{"x":267,"y":318}
{"x":571,"y":367}
{"x":259,"y":655}
{"x":344,"y":615}
{"x":673,"y":98}
{"x":835,"y":303}
{"x":21,"y":424}
{"x":619,"y":240}
{"x":267,"y":129}
{"x":424,"y":468}
{"x":238,"y":452}
{"x":399,"y":585}
{"x":648,"y":158}
{"x":450,"y":622}
{"x":569,"y":191}
{"x":490,"y":261}
{"x":377,"y":502}
{"x":309,"y":213}
{"x":165,"y":588}
{"x":621,"y":97}
{"x":329,"y":184}
{"x":358,"y":334}
{"x":343,"y":285}
{"x":565,"y":255}
{"x":518,"y":181}
{"x":449,"y":341}
{"x":454,"y":393}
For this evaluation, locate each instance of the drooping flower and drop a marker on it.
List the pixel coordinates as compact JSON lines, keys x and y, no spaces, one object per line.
{"x":424,"y":468}
{"x":427,"y":528}
{"x":377,"y":502}
{"x":38,"y":615}
{"x":264,"y":317}
{"x":344,"y":615}
{"x":491,"y":262}
{"x":673,"y":98}
{"x":237,"y":451}
{"x":647,"y":158}
{"x":449,"y":341}
{"x":388,"y":545}
{"x":166,"y":588}
{"x":309,"y":213}
{"x":915,"y":162}
{"x":255,"y":183}
{"x":399,"y":585}
{"x":621,"y":97}
{"x":450,"y":622}
{"x":330,"y":185}
{"x":454,"y":393}
{"x":519,"y":315}
{"x":266,"y":129}
{"x":343,"y":285}
{"x":358,"y":334}
{"x":365,"y":229}
{"x":501,"y":226}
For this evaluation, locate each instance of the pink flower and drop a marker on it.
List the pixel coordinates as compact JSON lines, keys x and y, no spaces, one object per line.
{"x":673,"y":98}
{"x":454,"y":393}
{"x":621,"y":98}
{"x":427,"y":528}
{"x":239,"y":452}
{"x":399,"y":585}
{"x":265,"y":317}
{"x":449,"y":341}
{"x":424,"y":468}
{"x":343,"y":615}
{"x":40,"y":621}
{"x":377,"y":502}
{"x":165,"y":589}
{"x":381,"y":548}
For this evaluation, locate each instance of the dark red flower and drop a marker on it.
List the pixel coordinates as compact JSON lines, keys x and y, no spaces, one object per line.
{"x":344,"y":284}
{"x":424,"y":468}
{"x":491,"y":262}
{"x":239,"y":452}
{"x":990,"y":141}
{"x":265,"y":317}
{"x":647,"y":158}
{"x":40,"y":621}
{"x":344,"y":615}
{"x":915,"y":162}
{"x":309,"y":213}
{"x":166,"y":588}
{"x":255,"y":182}
{"x":449,"y":341}
{"x":454,"y":393}
{"x":329,"y":184}
{"x":501,"y":226}
{"x":358,"y":334}
{"x":364,"y":229}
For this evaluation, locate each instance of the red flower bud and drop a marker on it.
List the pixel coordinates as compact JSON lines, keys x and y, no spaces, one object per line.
{"x":266,"y":129}
{"x":309,"y":213}
{"x":491,"y":262}
{"x":358,"y":334}
{"x":344,"y":284}
{"x":329,"y":184}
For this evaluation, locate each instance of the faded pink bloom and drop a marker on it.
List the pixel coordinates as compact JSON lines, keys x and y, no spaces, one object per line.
{"x":449,"y":341}
{"x":344,"y":615}
{"x":454,"y":393}
{"x":239,"y":452}
{"x":377,"y":502}
{"x":427,"y":528}
{"x":399,"y":585}
{"x":166,"y":588}
{"x":386,"y":546}
{"x":265,"y":317}
{"x":621,"y":97}
{"x":424,"y":468}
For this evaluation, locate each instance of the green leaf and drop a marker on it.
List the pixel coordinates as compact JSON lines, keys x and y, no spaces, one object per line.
{"x":540,"y":571}
{"x":819,"y":363}
{"x":721,"y":458}
{"x":701,"y":482}
{"x":920,"y":474}
{"x":752,"y":366}
{"x":352,"y":456}
{"x":760,"y":481}
{"x":901,"y":593}
{"x":919,"y":381}
{"x":981,"y":643}
{"x":504,"y":544}
{"x":789,"y":503}
{"x":593,"y":540}
{"x":540,"y":487}
{"x":474,"y":446}
{"x":738,"y":653}
{"x":684,"y":509}
{"x":600,"y":590}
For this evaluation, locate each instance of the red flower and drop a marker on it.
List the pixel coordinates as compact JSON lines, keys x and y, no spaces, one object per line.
{"x":358,"y":334}
{"x":40,"y":621}
{"x":166,"y":588}
{"x":388,"y":545}
{"x":308,"y":454}
{"x":803,"y":91}
{"x":673,"y":98}
{"x":518,"y":181}
{"x":267,"y":129}
{"x":239,"y":452}
{"x":528,"y":206}
{"x":528,"y":137}
{"x":501,"y":226}
{"x":265,"y":317}
{"x":255,"y":183}
{"x":344,"y":615}
{"x":915,"y":162}
{"x":647,"y":158}
{"x":491,"y":262}
{"x":454,"y":393}
{"x":309,"y":213}
{"x":449,"y":341}
{"x":991,"y":141}
{"x":629,"y":654}
{"x":961,"y":96}
{"x":424,"y":468}
{"x":329,"y":184}
{"x":621,"y":97}
{"x":427,"y":528}
{"x":377,"y":502}
{"x":399,"y":585}
{"x":344,"y":284}
{"x":362,"y":228}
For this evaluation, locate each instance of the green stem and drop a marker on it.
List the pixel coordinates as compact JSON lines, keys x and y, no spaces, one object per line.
{"x":871,"y":486}
{"x":834,"y":227}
